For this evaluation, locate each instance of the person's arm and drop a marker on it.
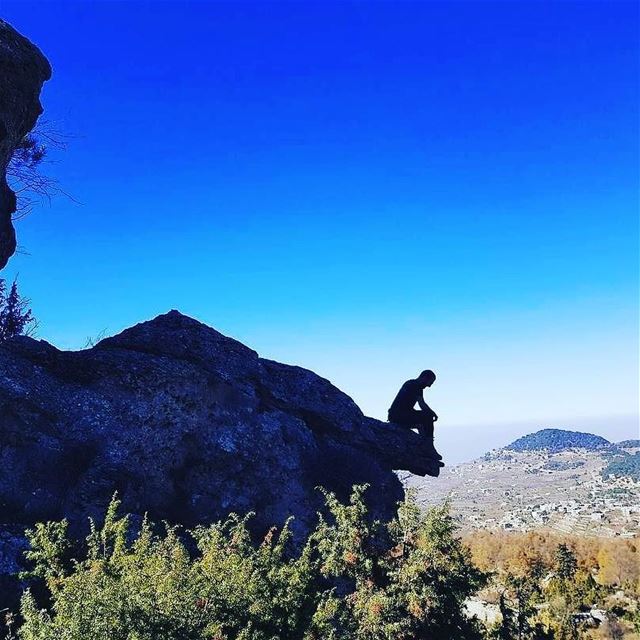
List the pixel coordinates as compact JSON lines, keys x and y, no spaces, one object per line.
{"x":425,"y":407}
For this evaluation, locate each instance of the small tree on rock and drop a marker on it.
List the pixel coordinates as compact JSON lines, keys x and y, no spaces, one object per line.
{"x":16,"y":318}
{"x":25,"y":173}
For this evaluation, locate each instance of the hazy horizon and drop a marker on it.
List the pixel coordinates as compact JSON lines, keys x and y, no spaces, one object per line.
{"x":495,"y":436}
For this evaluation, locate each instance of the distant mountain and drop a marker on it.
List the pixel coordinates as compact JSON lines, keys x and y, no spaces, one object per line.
{"x":629,"y":444}
{"x":554,"y":440}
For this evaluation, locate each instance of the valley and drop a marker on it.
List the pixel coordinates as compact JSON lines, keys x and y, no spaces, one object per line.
{"x":522,"y":488}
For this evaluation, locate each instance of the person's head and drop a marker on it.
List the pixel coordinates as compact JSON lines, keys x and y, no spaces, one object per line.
{"x":427,"y":378}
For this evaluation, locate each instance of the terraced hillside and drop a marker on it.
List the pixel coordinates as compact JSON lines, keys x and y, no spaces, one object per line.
{"x":529,"y":485}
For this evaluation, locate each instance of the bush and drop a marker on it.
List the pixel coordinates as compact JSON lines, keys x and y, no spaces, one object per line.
{"x":352,"y":579}
{"x":626,"y":465}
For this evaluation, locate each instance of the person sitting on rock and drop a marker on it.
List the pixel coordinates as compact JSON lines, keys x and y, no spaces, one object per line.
{"x":403,"y":411}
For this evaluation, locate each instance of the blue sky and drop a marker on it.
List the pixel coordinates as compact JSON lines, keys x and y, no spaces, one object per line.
{"x":365,"y":189}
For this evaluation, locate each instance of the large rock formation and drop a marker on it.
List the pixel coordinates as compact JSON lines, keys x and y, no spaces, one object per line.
{"x":23,"y":70}
{"x":186,"y":424}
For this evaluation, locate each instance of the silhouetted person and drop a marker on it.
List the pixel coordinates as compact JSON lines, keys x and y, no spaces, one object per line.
{"x":403,"y":411}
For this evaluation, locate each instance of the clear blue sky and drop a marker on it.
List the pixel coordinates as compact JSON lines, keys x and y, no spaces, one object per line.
{"x":365,"y":189}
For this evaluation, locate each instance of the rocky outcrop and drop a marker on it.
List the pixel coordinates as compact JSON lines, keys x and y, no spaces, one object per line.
{"x":188,"y":425}
{"x":23,"y":70}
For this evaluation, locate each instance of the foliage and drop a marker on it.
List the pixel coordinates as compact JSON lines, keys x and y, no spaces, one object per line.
{"x":545,"y":584}
{"x":628,"y":444}
{"x":518,"y":600}
{"x":614,"y":562}
{"x":565,"y":594}
{"x":555,"y":440}
{"x":24,"y":171}
{"x":626,"y":465}
{"x":350,"y":579}
{"x":16,"y":317}
{"x":566,"y":563}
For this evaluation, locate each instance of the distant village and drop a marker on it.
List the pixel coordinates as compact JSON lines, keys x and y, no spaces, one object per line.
{"x":525,"y":490}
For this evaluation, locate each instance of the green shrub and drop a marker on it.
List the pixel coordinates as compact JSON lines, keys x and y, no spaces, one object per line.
{"x":352,"y":579}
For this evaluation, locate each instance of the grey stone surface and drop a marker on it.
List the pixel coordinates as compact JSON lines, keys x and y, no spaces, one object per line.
{"x":23,"y":70}
{"x":188,"y":425}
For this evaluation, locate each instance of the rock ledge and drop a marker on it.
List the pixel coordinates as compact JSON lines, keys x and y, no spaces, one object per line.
{"x":186,"y":424}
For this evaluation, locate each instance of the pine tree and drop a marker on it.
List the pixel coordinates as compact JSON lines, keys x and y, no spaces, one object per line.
{"x":566,"y":563}
{"x":16,"y":318}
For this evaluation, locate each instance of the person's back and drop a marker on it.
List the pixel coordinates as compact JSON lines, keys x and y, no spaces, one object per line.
{"x":405,"y":401}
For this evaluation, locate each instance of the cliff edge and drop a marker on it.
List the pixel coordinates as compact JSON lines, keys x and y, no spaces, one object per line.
{"x":186,"y":424}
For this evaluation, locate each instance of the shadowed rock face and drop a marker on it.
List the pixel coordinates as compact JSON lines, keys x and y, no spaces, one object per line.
{"x":186,"y":424}
{"x":23,"y":70}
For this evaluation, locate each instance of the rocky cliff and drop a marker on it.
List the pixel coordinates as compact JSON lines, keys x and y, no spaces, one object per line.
{"x":23,"y":70}
{"x":186,"y":424}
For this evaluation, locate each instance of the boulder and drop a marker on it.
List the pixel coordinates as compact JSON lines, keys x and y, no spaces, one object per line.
{"x":187,"y":425}
{"x":23,"y":70}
